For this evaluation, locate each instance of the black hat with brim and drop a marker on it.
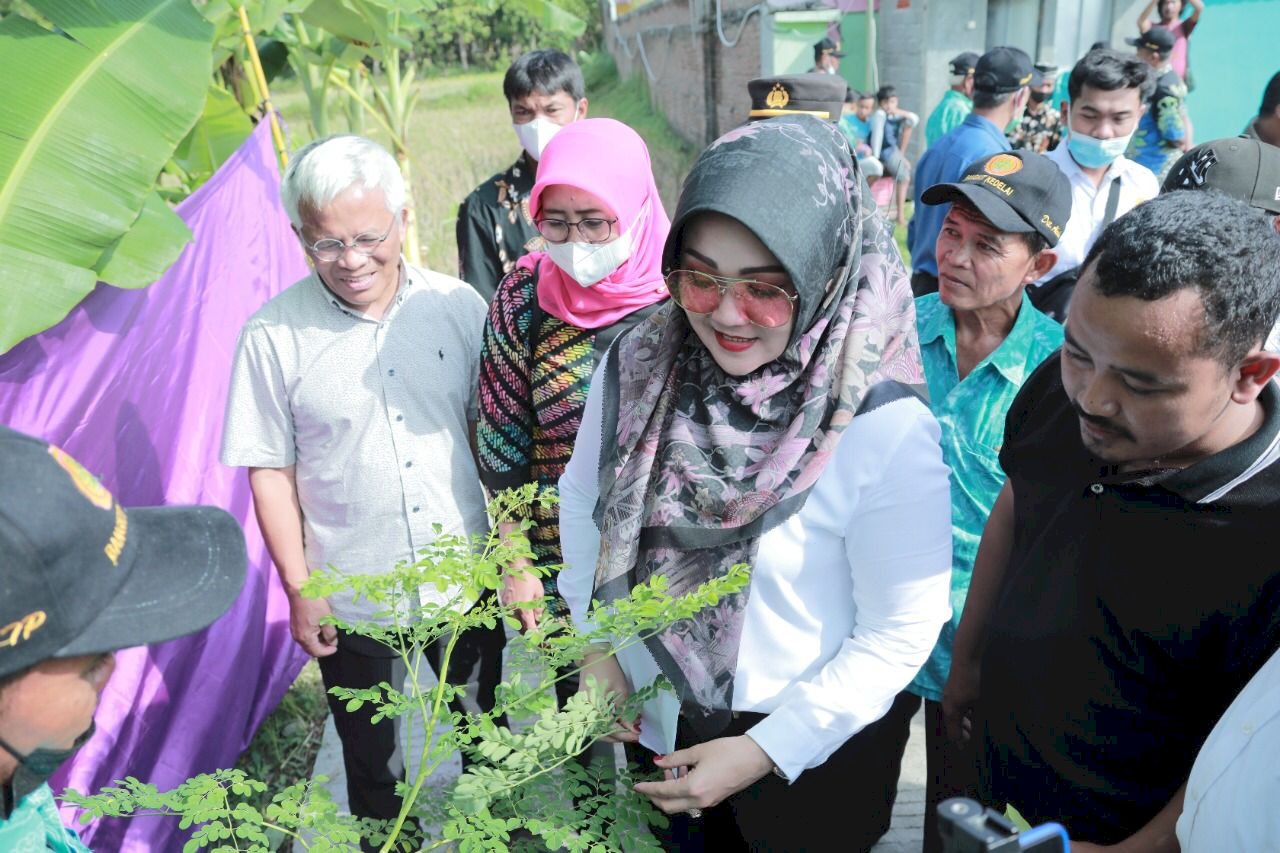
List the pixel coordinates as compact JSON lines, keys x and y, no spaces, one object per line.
{"x":1017,"y":191}
{"x":84,"y":575}
{"x":1002,"y":70}
{"x":1156,"y":39}
{"x":826,"y":46}
{"x":819,"y":95}
{"x":1241,"y":167}
{"x":964,"y":63}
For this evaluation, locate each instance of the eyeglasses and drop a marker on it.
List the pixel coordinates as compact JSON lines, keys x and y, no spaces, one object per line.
{"x":366,"y":244}
{"x":592,"y":230}
{"x":762,"y":304}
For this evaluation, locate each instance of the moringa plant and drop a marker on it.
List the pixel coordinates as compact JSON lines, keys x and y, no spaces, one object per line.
{"x":523,"y":786}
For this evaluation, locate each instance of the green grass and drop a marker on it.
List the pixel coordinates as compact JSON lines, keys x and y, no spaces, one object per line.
{"x":284,"y":748}
{"x":461,"y":134}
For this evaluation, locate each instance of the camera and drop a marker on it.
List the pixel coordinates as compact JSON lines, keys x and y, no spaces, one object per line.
{"x":966,"y":826}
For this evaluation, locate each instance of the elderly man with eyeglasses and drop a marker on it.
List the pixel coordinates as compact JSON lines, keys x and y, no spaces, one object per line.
{"x":352,"y":404}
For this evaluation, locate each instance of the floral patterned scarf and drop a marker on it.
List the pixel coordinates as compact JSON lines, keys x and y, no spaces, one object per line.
{"x":704,"y":462}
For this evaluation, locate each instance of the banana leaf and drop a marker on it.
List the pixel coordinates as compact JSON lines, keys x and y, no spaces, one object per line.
{"x":222,"y":127}
{"x":90,"y":115}
{"x":554,"y":18}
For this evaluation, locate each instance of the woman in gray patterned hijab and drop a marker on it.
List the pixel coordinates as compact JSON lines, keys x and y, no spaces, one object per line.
{"x":791,"y":315}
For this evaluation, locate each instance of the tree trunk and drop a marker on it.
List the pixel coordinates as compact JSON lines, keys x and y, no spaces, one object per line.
{"x":462,"y":51}
{"x":411,"y":248}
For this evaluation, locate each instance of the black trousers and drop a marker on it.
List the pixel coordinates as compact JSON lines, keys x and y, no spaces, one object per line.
{"x":951,"y":771}
{"x":844,"y":804}
{"x":371,"y":753}
{"x":923,"y":282}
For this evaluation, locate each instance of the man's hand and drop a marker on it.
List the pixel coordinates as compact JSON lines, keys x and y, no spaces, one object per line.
{"x":519,"y":585}
{"x":713,"y":771}
{"x":958,"y":698}
{"x":304,"y":623}
{"x":604,"y":671}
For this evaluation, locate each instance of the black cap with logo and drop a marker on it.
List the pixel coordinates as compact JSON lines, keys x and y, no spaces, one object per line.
{"x":1156,"y":39}
{"x":964,"y":64}
{"x":1002,"y":70}
{"x":1043,"y":73}
{"x":82,"y":575}
{"x":826,"y":46}
{"x":1017,"y":191}
{"x":818,"y":95}
{"x":1243,"y":168}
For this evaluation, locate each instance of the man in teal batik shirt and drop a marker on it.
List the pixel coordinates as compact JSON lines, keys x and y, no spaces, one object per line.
{"x":980,"y":338}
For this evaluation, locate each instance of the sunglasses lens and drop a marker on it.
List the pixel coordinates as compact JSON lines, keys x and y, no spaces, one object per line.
{"x":764,"y":304}
{"x":694,"y":292}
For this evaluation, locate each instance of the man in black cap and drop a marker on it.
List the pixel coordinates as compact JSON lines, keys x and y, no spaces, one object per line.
{"x":957,"y":101}
{"x":1266,"y":127}
{"x":1121,"y":595}
{"x":80,"y":577}
{"x":979,"y":338}
{"x":1040,"y":128}
{"x":826,"y":57}
{"x":999,"y":96}
{"x":1162,"y":131}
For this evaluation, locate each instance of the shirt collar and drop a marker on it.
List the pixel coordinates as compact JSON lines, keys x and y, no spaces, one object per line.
{"x":975,"y":120}
{"x":1009,"y":359}
{"x":402,"y":290}
{"x":1211,"y":479}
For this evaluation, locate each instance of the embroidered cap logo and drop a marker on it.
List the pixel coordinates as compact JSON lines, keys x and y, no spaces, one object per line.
{"x":1002,"y":164}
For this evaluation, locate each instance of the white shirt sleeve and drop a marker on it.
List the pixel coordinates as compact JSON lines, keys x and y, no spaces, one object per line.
{"x":898,"y":546}
{"x":579,"y":489}
{"x":258,"y":429}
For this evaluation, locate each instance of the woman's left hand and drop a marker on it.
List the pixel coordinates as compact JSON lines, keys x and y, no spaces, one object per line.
{"x":712,"y":772}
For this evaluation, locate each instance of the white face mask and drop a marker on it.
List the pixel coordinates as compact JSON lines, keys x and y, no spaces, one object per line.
{"x":534,"y":135}
{"x":588,"y":263}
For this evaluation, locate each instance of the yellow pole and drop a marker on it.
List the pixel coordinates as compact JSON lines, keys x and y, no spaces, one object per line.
{"x":260,"y":83}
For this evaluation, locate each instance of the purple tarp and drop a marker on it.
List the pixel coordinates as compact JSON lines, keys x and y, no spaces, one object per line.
{"x":133,"y":383}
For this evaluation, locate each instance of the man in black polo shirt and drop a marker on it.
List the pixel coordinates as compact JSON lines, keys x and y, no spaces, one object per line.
{"x":1123,"y":591}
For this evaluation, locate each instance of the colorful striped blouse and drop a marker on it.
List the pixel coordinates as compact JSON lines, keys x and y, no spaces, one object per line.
{"x":535,"y":371}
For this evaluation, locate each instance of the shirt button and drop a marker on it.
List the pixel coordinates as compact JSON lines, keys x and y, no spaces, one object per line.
{"x":416,"y":508}
{"x":1096,"y":488}
{"x":391,"y":372}
{"x":409,"y":464}
{"x":399,"y":417}
{"x":1247,"y":728}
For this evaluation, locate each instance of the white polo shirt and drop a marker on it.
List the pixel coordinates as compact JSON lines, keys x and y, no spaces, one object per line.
{"x":1089,"y":204}
{"x":1234,"y":786}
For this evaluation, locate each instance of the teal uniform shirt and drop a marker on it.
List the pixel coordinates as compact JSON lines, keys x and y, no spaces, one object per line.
{"x":971,"y":414}
{"x":947,"y":115}
{"x":35,"y":827}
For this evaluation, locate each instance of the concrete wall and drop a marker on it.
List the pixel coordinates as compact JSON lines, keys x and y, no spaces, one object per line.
{"x":915,"y":45}
{"x":680,"y":41}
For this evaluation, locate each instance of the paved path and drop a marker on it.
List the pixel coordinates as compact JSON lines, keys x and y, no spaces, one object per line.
{"x":904,"y":834}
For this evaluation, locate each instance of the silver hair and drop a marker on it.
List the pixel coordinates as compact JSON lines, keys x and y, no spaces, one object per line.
{"x":322,"y":170}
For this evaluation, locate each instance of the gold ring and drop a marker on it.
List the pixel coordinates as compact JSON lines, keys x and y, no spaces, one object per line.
{"x":694,"y":813}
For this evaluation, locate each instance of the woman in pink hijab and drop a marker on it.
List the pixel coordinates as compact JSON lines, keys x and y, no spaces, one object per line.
{"x":597,"y":208}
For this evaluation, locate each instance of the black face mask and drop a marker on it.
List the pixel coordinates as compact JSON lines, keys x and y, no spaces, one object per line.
{"x":34,"y":769}
{"x":1040,"y":97}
